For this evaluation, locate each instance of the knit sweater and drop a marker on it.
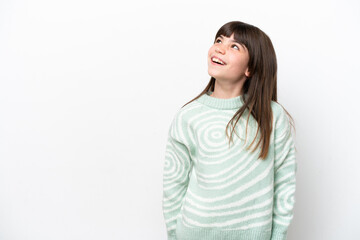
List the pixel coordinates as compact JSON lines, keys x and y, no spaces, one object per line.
{"x":216,"y":191}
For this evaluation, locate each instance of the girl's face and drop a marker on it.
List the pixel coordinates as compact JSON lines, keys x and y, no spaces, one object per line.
{"x":234,"y":57}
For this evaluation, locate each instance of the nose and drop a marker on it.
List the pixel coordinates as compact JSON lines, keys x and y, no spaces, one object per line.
{"x":219,"y":49}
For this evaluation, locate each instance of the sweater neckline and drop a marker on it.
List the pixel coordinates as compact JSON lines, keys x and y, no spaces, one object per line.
{"x":220,"y":103}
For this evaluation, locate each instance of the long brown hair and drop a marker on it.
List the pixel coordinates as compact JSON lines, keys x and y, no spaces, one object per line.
{"x":260,"y":87}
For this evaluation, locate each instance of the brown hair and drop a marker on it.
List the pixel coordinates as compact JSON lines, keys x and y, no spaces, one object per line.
{"x":260,"y":87}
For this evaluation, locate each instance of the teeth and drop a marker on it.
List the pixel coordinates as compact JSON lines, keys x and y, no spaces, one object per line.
{"x":217,"y":60}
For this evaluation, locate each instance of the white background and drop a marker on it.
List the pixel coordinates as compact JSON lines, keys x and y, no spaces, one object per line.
{"x":88,"y":90}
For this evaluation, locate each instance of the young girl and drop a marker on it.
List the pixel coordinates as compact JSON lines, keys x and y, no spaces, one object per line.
{"x":217,"y":185}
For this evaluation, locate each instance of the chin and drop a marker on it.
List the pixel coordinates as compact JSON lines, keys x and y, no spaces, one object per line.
{"x":213,"y":74}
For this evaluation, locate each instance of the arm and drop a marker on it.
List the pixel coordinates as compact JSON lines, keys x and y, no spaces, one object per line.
{"x":285,"y":169}
{"x":177,"y":166}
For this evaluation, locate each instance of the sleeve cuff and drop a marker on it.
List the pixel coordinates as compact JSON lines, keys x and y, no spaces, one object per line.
{"x":278,"y":236}
{"x":172,"y":236}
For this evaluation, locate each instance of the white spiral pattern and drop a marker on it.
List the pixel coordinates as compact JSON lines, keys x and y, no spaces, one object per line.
{"x":209,"y":185}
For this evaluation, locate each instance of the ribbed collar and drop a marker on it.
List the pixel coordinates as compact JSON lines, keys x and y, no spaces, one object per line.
{"x":220,"y":103}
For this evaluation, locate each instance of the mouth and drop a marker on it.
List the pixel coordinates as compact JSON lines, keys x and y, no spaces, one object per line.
{"x":217,"y":61}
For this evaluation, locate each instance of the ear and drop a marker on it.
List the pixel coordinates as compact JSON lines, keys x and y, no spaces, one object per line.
{"x":247,"y":73}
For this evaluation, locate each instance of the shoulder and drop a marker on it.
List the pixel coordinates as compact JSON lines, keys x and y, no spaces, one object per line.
{"x":277,"y":109}
{"x":180,"y":129}
{"x":183,"y":114}
{"x":280,"y":117}
{"x":189,"y":110}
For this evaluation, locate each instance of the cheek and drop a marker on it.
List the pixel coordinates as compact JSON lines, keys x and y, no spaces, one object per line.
{"x":210,"y":51}
{"x":240,"y":63}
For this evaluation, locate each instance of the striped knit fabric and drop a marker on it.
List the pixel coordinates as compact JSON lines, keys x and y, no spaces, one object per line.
{"x":213,"y":190}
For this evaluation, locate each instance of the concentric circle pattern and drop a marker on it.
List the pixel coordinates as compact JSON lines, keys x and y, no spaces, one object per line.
{"x":214,"y":189}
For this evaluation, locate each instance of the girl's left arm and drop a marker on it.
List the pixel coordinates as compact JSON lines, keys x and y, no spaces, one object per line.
{"x":285,"y":168}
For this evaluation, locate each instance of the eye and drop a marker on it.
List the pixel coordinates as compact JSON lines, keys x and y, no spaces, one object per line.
{"x":218,"y":39}
{"x":236,"y":46}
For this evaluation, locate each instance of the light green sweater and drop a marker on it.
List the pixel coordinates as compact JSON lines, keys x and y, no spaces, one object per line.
{"x":215,"y":192}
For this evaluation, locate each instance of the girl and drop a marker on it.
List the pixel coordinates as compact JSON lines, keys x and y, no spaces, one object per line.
{"x":213,"y":189}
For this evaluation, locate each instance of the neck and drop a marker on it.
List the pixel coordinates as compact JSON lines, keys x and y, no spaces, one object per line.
{"x":223,"y":89}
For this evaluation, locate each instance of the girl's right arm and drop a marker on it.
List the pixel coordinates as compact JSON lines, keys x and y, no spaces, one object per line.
{"x":177,"y":167}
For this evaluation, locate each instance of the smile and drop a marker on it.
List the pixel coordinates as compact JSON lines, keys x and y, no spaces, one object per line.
{"x":217,"y":61}
{"x":216,"y":64}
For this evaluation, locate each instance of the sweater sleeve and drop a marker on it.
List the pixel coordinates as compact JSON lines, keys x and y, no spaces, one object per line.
{"x":285,"y":169}
{"x":177,"y":167}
